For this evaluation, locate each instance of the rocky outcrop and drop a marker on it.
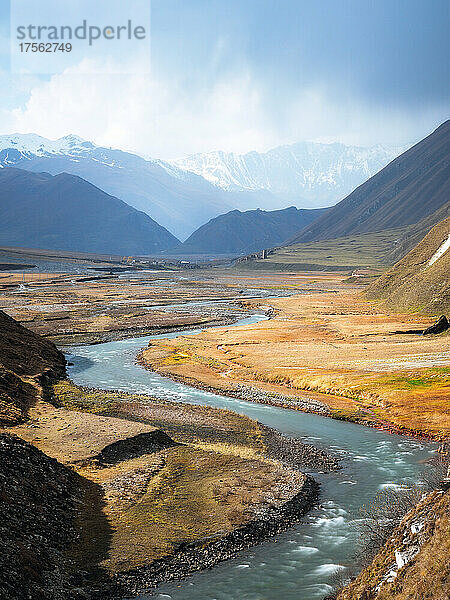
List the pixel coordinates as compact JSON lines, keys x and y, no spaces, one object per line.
{"x":132,"y":447}
{"x":26,"y":353}
{"x":38,"y":502}
{"x":439,"y":326}
{"x":28,"y":363}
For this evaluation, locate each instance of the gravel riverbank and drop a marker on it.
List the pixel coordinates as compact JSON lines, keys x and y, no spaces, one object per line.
{"x":204,"y":554}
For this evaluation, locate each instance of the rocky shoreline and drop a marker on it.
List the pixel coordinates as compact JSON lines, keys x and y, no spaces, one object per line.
{"x":204,"y":554}
{"x":308,"y":405}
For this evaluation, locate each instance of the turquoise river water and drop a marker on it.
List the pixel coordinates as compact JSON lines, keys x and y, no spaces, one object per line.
{"x":298,"y":564}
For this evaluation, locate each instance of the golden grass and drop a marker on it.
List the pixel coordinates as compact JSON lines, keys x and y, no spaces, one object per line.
{"x":150,"y":504}
{"x":337,"y":348}
{"x":195,"y":495}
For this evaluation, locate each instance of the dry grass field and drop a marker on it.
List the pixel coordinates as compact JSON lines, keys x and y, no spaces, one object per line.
{"x":335,"y":347}
{"x":213,"y":475}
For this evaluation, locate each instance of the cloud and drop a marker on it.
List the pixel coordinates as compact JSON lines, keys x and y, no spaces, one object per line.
{"x":167,"y":118}
{"x":144,"y":113}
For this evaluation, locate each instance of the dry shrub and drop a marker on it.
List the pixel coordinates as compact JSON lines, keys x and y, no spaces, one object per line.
{"x":384,"y":514}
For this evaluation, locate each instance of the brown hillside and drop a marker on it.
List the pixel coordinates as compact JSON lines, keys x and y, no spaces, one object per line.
{"x":26,"y":361}
{"x":413,"y":284}
{"x":413,"y":564}
{"x":415,"y":234}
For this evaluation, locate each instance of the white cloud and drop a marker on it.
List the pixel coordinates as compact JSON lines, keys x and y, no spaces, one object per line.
{"x":160,"y":117}
{"x":143,"y":113}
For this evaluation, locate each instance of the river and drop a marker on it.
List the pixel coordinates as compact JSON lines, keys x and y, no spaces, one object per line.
{"x":298,"y":564}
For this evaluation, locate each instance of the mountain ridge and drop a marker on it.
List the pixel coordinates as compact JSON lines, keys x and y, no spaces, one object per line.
{"x":65,"y":212}
{"x":179,"y":205}
{"x":182,"y":200}
{"x":394,"y":197}
{"x":238,"y":232}
{"x":315,"y":172}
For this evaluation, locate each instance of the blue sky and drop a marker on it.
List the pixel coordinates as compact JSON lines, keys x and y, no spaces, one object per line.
{"x":252,"y":74}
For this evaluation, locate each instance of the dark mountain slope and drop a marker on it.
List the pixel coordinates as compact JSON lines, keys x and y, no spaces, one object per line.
{"x":411,"y":187}
{"x":64,"y":212}
{"x":179,"y":204}
{"x":421,"y":280}
{"x":239,"y":232}
{"x":27,"y":362}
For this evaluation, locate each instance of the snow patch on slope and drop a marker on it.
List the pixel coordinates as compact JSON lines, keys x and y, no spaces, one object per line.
{"x":440,"y":251}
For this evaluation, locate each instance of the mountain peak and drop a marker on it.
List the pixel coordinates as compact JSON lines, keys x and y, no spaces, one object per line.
{"x":72,"y":139}
{"x":31,"y":143}
{"x":307,"y":173}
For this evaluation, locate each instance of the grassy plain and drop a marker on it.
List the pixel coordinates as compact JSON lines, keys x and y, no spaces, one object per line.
{"x":333,"y":346}
{"x":367,"y":250}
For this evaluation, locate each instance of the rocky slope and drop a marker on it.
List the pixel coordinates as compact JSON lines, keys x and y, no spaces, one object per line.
{"x":420,"y":281}
{"x":38,"y":503}
{"x":414,"y":234}
{"x":27,"y":362}
{"x":64,"y":212}
{"x":413,"y":564}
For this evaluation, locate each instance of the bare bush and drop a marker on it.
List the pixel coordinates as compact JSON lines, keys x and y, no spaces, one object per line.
{"x":388,"y":508}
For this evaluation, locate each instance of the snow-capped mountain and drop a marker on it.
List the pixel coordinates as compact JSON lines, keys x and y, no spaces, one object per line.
{"x":181,"y":195}
{"x":33,"y":144}
{"x":180,"y":204}
{"x":311,"y":173}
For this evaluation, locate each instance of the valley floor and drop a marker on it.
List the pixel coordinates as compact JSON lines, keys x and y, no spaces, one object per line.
{"x":153,"y":476}
{"x":167,"y":480}
{"x":331,"y":352}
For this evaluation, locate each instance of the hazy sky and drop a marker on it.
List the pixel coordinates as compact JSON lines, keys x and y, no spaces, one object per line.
{"x":252,"y":74}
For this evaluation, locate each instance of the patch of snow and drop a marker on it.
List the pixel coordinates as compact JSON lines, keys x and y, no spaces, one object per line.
{"x":402,"y":558}
{"x":416,"y":527}
{"x":440,"y":251}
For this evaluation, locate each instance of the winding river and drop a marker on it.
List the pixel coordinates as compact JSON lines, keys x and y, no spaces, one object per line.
{"x":298,"y":564}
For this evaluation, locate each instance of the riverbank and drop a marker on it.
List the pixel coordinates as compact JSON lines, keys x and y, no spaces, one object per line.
{"x":180,"y":487}
{"x":335,"y":354}
{"x":413,"y":563}
{"x":157,"y":489}
{"x":197,"y":556}
{"x":371,"y":461}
